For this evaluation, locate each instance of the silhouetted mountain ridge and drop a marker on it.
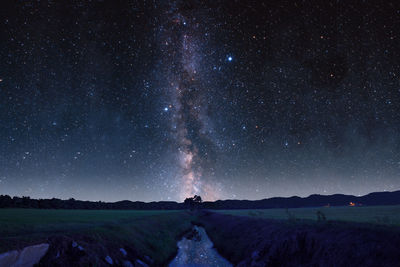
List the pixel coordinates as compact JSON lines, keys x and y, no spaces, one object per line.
{"x":315,"y":200}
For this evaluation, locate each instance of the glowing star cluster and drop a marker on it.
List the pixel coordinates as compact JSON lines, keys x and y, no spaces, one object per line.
{"x":191,"y":180}
{"x":186,"y":90}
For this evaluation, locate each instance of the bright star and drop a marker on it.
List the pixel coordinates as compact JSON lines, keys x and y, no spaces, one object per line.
{"x":230,"y":58}
{"x":286,"y":143}
{"x":166,"y":109}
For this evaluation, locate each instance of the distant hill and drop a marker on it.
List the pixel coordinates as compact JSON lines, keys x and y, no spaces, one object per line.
{"x":372,"y":199}
{"x":55,"y":203}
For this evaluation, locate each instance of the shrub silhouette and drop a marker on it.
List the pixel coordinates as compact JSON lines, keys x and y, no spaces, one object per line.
{"x":321,"y":216}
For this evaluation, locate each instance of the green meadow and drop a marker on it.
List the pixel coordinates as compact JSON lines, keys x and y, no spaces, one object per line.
{"x":383,"y":215}
{"x":152,"y":233}
{"x":155,"y":233}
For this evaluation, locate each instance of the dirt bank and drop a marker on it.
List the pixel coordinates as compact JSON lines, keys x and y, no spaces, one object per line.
{"x":247,"y":241}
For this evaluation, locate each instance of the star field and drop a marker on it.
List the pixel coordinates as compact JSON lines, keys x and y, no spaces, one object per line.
{"x":161,"y":100}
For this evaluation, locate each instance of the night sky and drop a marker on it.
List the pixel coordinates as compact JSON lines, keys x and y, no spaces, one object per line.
{"x":161,"y":100}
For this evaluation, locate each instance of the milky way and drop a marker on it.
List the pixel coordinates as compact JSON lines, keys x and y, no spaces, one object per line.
{"x":181,"y":45}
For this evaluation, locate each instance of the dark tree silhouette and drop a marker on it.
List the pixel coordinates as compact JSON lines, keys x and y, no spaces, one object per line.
{"x":197,"y":199}
{"x":193,"y":202}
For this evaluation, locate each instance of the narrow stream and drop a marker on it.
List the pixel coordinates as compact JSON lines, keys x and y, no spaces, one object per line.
{"x":196,"y":249}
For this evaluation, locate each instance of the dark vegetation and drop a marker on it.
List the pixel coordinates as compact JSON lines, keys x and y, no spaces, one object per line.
{"x":55,"y":203}
{"x":249,"y":238}
{"x":269,"y":232}
{"x":253,"y":241}
{"x":193,"y":203}
{"x":87,"y":237}
{"x":373,"y":199}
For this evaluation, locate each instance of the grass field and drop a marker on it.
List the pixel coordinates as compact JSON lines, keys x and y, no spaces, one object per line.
{"x":152,"y":233}
{"x":155,"y":233}
{"x":246,"y":239}
{"x":388,"y":215}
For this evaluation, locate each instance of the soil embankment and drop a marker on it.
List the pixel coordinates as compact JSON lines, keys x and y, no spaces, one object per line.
{"x":247,"y":241}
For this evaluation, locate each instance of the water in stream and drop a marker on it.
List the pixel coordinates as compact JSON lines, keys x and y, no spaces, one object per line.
{"x":196,"y":250}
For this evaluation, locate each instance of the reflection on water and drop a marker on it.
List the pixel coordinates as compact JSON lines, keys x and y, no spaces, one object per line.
{"x":196,"y":249}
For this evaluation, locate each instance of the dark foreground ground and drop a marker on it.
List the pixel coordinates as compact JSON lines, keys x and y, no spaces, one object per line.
{"x":90,"y":237}
{"x":87,"y":237}
{"x":247,"y":241}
